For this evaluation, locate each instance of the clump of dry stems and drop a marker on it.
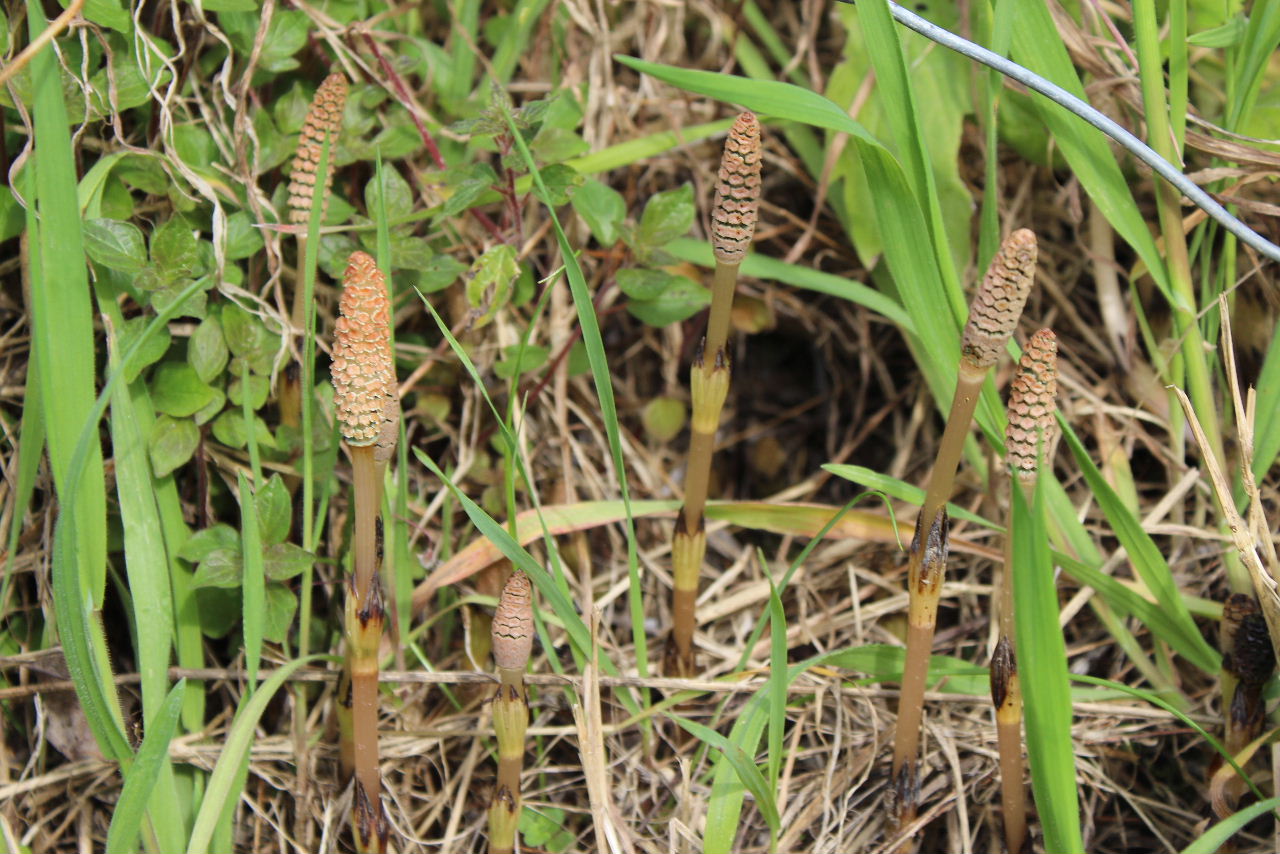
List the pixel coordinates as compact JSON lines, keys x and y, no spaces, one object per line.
{"x":1028,"y":437}
{"x":993,"y":316}
{"x":365,"y":397}
{"x":512,"y":643}
{"x":733,"y":222}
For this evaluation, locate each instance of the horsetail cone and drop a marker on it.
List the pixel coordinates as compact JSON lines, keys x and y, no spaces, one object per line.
{"x":324,"y":118}
{"x":733,"y":220}
{"x":364,"y":379}
{"x":513,"y":624}
{"x":997,"y":305}
{"x":1032,"y":406}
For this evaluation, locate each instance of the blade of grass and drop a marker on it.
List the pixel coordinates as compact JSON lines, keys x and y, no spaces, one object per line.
{"x":142,"y":776}
{"x":742,"y":764}
{"x":62,"y":322}
{"x":1042,"y":659}
{"x":1146,"y":559}
{"x":777,"y":694}
{"x":221,"y":791}
{"x":1218,"y":835}
{"x":254,"y":589}
{"x":604,"y":391}
{"x":763,"y":267}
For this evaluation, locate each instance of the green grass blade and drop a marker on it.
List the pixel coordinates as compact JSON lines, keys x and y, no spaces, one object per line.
{"x":1038,"y":46}
{"x":235,"y":750}
{"x":898,"y":96}
{"x":141,"y":778}
{"x":742,"y":764}
{"x":146,"y":557}
{"x":777,"y":688}
{"x":763,"y":267}
{"x":254,"y":589}
{"x":1257,"y":49}
{"x":901,"y":490}
{"x":1266,"y":427}
{"x":594,"y":344}
{"x":1146,"y":558}
{"x":1157,"y":701}
{"x":1218,"y":835}
{"x":1042,"y":662}
{"x":62,"y":321}
{"x":513,"y":551}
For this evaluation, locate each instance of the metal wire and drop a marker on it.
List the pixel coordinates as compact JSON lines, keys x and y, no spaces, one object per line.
{"x":1061,"y":96}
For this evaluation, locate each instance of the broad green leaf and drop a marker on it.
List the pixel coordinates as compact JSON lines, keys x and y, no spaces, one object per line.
{"x":115,"y":244}
{"x":602,"y":208}
{"x":467,"y":185}
{"x":682,"y":299}
{"x":177,"y":390}
{"x":489,"y":282}
{"x":175,"y":250}
{"x":173,"y":441}
{"x":520,"y":360}
{"x":243,"y":240}
{"x":207,"y":350}
{"x":666,"y":216}
{"x":200,"y":544}
{"x":221,"y":568}
{"x":275,"y":511}
{"x":283,"y":561}
{"x":153,"y":348}
{"x":282,"y":605}
{"x":559,"y":181}
{"x":441,"y":272}
{"x":258,"y":387}
{"x":399,"y":200}
{"x":229,"y":429}
{"x":644,"y":284}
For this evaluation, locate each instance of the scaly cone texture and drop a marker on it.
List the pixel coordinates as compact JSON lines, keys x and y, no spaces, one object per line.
{"x":993,"y":316}
{"x":364,"y":378}
{"x":996,"y":307}
{"x":513,"y":625}
{"x":733,"y":220}
{"x":1029,"y":437}
{"x":1032,"y":428}
{"x":512,"y":643}
{"x":324,"y":117}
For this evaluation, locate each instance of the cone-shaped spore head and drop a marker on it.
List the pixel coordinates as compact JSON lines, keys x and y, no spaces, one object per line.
{"x":324,"y":117}
{"x":996,"y":307}
{"x":513,"y":624}
{"x":364,"y":379}
{"x":1032,"y":404}
{"x":733,"y":221}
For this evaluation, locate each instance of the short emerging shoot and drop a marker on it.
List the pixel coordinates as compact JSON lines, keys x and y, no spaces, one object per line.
{"x":993,"y":316}
{"x":512,"y":643}
{"x":733,"y":223}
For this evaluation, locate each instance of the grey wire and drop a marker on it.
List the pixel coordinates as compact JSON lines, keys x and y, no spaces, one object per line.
{"x":1061,"y":96}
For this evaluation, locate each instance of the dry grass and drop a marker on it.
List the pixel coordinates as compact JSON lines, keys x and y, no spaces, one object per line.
{"x":826,"y":382}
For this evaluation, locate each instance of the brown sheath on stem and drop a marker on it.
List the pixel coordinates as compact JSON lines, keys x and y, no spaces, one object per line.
{"x":993,"y":316}
{"x":370,"y":826}
{"x":733,"y":223}
{"x":1029,"y":437}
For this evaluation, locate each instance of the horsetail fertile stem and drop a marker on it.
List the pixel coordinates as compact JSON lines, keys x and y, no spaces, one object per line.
{"x":512,"y":643}
{"x":365,"y":397}
{"x":993,"y":315}
{"x":1029,"y":434}
{"x":323,"y":119}
{"x":733,"y":222}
